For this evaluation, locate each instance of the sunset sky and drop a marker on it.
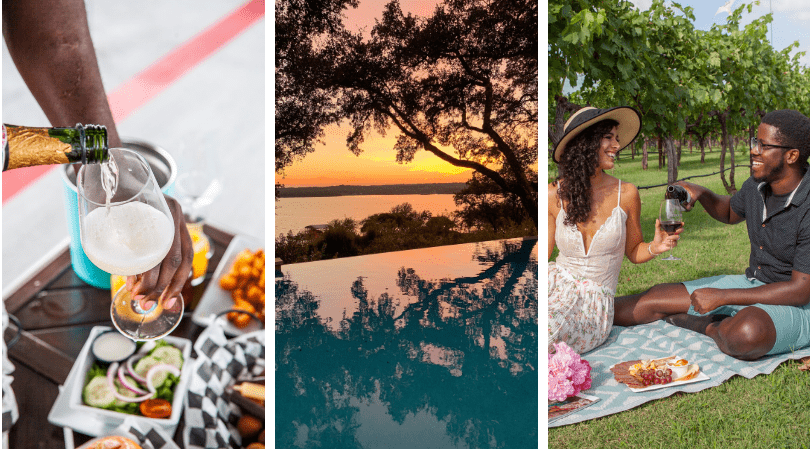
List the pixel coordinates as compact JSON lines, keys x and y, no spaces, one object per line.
{"x":333,"y":164}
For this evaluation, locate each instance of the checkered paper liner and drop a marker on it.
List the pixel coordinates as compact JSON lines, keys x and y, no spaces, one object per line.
{"x":144,"y":433}
{"x":209,"y":418}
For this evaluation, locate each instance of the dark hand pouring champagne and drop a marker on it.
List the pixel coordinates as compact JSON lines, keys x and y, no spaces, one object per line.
{"x":126,"y":225}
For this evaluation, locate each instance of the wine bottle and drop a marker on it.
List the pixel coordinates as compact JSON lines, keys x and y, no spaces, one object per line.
{"x":31,"y":146}
{"x":679,"y":193}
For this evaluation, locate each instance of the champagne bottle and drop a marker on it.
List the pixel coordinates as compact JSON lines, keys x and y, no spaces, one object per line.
{"x":679,"y":193}
{"x":30,"y":146}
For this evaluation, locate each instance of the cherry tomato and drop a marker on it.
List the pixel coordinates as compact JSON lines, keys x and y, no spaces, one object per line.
{"x":156,"y":408}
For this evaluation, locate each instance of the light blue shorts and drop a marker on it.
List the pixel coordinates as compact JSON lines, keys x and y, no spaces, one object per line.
{"x":792,"y":323}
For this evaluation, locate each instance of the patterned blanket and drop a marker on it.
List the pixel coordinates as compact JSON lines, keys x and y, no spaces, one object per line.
{"x":657,"y":340}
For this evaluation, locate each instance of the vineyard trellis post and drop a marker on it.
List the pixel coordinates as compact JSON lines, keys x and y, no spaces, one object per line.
{"x":644,"y":154}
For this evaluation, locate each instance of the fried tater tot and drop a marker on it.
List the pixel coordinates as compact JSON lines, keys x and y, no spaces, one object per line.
{"x":227,"y":282}
{"x":245,"y":281}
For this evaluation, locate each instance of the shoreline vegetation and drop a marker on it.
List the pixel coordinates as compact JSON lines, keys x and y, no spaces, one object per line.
{"x":402,"y":228}
{"x":388,"y":189}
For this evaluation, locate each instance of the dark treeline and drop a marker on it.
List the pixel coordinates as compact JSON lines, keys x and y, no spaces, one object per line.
{"x":402,"y":228}
{"x":389,"y":189}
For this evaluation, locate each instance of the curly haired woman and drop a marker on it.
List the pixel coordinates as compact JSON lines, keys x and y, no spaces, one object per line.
{"x":593,"y":218}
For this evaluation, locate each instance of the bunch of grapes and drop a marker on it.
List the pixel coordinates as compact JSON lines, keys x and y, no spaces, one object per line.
{"x":653,"y":376}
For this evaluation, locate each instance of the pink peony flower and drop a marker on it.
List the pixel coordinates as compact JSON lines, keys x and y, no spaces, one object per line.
{"x":559,"y":388}
{"x":568,"y":374}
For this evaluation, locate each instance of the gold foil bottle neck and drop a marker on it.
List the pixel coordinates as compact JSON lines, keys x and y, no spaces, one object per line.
{"x":34,"y":147}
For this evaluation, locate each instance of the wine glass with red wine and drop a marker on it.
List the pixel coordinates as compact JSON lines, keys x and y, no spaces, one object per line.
{"x":671,"y":217}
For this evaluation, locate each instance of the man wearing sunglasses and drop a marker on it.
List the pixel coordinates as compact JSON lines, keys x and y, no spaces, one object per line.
{"x":766,"y":311}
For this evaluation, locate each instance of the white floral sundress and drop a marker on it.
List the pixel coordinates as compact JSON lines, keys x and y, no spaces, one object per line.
{"x":581,"y":286}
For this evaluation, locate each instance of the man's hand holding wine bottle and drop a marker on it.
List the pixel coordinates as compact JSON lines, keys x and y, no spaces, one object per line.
{"x":687,"y":194}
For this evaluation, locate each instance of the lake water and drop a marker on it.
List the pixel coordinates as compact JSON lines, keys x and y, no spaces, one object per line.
{"x":296,"y":213}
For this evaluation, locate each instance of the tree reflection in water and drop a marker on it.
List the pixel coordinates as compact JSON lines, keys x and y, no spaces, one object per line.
{"x":464,"y":354}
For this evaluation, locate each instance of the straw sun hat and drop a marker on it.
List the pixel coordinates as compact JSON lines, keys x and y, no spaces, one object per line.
{"x":629,"y":125}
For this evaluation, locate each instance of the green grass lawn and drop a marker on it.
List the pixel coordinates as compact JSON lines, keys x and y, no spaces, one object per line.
{"x":768,"y":411}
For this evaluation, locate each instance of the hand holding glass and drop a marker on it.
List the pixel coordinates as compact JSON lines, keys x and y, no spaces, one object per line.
{"x":128,"y":235}
{"x":671,"y":217}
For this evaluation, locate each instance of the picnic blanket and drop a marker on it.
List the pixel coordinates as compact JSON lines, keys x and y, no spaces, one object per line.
{"x":657,"y":340}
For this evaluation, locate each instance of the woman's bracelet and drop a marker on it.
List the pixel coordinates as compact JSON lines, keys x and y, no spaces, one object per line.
{"x":649,"y":249}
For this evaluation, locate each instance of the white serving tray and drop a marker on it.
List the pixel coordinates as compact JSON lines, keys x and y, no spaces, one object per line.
{"x":216,"y":300}
{"x":700,"y":377}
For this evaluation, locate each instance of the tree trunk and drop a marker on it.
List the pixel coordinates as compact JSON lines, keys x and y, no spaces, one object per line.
{"x":729,"y":185}
{"x":723,"y":154}
{"x":731,"y":171}
{"x":672,"y":157}
{"x":660,"y":153}
{"x":751,"y":133}
{"x":644,"y":154}
{"x":691,"y":143}
{"x":680,"y":144}
{"x":555,"y":130}
{"x":702,"y":143}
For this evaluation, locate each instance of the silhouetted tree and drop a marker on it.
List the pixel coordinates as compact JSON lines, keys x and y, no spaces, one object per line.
{"x":461,"y":84}
{"x":339,"y":239}
{"x":440,"y":226}
{"x":303,"y":107}
{"x":481,"y":203}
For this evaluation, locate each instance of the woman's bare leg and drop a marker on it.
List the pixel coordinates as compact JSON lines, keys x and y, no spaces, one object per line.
{"x":658,"y":302}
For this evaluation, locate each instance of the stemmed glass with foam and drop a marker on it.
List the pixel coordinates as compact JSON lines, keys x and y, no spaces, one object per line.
{"x":126,"y":229}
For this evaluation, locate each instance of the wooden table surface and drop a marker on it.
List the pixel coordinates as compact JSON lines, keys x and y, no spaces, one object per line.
{"x":57,"y":310}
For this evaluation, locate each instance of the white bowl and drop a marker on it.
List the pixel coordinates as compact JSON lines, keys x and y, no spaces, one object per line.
{"x":96,"y":421}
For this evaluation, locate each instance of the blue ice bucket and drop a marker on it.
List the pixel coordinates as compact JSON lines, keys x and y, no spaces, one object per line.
{"x":165,"y":170}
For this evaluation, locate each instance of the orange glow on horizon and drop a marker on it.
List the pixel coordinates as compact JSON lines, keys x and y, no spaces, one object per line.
{"x":332,"y":163}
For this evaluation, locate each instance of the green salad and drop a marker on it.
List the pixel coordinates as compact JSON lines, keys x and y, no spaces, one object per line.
{"x":122,"y":387}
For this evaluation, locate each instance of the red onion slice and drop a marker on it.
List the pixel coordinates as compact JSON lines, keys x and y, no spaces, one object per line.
{"x":126,"y":383}
{"x":131,"y":370}
{"x":110,"y":372}
{"x":158,"y":367}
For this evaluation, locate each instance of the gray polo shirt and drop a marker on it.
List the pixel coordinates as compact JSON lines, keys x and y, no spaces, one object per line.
{"x":780,"y":239}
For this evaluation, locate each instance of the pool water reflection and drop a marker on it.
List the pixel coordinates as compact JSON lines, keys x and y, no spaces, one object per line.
{"x":423,"y":348}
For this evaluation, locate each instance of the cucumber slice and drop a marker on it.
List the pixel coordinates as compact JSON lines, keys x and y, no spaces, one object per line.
{"x":131,"y":381}
{"x":98,"y":394}
{"x":159,"y":377}
{"x":168,"y":355}
{"x":123,"y":391}
{"x":142,"y":368}
{"x":144,"y":364}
